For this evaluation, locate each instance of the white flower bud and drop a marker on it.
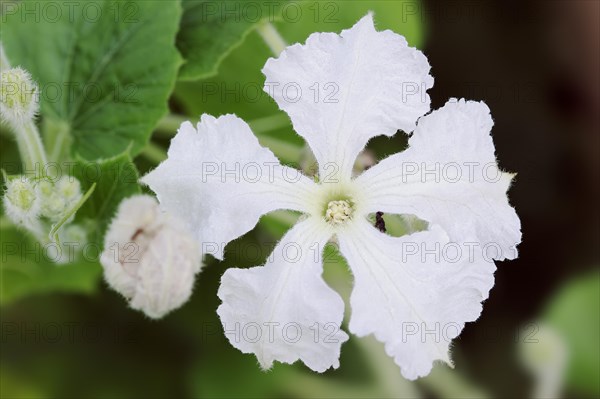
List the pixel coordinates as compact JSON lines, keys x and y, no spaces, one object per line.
{"x":58,"y":198}
{"x":21,"y":201}
{"x":73,"y":233}
{"x":149,"y":257}
{"x":18,"y":96}
{"x":69,"y":188}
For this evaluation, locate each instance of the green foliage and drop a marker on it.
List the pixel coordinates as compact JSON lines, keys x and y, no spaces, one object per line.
{"x":575,"y":314}
{"x":28,"y":267}
{"x":104,"y":78}
{"x":207,"y":35}
{"x":335,"y":16}
{"x":116,"y":179}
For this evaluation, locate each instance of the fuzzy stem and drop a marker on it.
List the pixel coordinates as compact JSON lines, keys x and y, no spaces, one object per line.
{"x":155,"y":153}
{"x":4,"y":64}
{"x":269,"y":123}
{"x":57,"y":136}
{"x":30,"y":146}
{"x":272,"y":37}
{"x":286,"y":152}
{"x":28,"y":138}
{"x":168,"y":126}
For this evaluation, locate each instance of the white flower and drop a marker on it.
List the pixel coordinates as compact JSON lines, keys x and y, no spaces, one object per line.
{"x":18,"y":96}
{"x":220,"y":180}
{"x":149,"y":257}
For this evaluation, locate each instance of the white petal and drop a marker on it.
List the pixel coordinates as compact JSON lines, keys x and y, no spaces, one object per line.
{"x":287,"y":301}
{"x":411,"y":301}
{"x":342,"y":90}
{"x":220,"y":181}
{"x":449,"y":176}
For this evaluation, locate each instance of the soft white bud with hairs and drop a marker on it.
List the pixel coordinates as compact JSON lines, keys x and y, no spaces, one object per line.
{"x":149,"y":257}
{"x":18,"y":96}
{"x":59,"y":197}
{"x":21,"y":201}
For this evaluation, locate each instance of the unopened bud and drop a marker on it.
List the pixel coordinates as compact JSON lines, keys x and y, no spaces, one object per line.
{"x":18,"y":96}
{"x":149,"y":257}
{"x":73,"y":233}
{"x":58,"y":198}
{"x":69,"y":188}
{"x":21,"y":200}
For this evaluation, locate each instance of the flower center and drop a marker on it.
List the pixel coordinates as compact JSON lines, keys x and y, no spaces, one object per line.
{"x":338,"y":212}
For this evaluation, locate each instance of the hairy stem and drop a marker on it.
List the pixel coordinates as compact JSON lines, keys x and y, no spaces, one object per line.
{"x":155,"y":153}
{"x":28,"y":138}
{"x":30,"y":146}
{"x":272,"y":37}
{"x":57,"y":136}
{"x":4,"y":64}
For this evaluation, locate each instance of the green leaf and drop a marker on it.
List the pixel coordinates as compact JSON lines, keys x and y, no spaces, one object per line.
{"x":405,"y":18}
{"x":209,"y":31}
{"x":15,"y":387}
{"x":206,"y":377}
{"x":277,"y":223}
{"x":105,"y":70}
{"x":115,"y":179}
{"x":27,"y":268}
{"x":575,"y":315}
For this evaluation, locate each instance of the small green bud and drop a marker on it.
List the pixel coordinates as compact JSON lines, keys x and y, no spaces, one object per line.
{"x":53,"y":206}
{"x":57,"y":198}
{"x":73,"y":233}
{"x":45,"y":188}
{"x":69,"y":188}
{"x":21,"y":200}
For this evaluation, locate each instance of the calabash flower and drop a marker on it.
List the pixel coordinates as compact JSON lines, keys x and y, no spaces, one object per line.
{"x":149,"y":257}
{"x":408,"y":292}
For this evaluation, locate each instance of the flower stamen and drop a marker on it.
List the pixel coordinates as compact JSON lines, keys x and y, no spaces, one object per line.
{"x":338,"y":212}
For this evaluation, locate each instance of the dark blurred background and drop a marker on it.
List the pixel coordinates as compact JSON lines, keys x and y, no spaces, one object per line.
{"x":536,"y":64}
